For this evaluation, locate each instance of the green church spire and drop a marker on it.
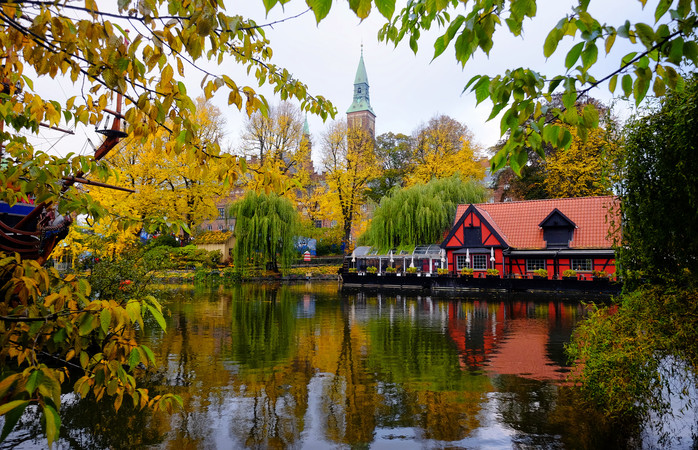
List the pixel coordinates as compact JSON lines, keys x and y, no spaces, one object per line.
{"x":361,"y":102}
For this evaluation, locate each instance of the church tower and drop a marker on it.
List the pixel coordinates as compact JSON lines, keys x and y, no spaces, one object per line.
{"x":360,"y":114}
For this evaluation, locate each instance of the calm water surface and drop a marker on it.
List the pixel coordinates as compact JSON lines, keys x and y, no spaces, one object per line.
{"x":305,"y":366}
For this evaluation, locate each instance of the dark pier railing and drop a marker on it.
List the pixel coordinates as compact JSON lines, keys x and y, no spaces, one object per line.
{"x":453,"y":283}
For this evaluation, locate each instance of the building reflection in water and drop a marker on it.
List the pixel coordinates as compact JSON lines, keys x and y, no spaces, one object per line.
{"x":307,"y":366}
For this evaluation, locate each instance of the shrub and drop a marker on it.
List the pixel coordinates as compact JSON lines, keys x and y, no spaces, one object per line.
{"x":372,"y":269}
{"x":411,"y":270}
{"x":390,"y":270}
{"x":231,"y":276}
{"x":600,"y":274}
{"x":164,"y":240}
{"x":541,"y":273}
{"x":494,"y":272}
{"x":442,"y":271}
{"x":126,"y":276}
{"x":466,"y":271}
{"x":184,"y":257}
{"x":569,"y":273}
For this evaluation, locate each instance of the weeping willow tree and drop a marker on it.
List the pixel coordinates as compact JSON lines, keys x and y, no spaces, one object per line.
{"x":421,"y":213}
{"x":265,"y":229}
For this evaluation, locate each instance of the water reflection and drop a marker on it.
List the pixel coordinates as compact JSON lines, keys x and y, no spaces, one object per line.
{"x":305,"y":366}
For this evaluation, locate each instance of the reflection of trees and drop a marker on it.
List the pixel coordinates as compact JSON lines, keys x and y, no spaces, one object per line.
{"x":87,"y":424}
{"x":351,"y":399}
{"x":263,"y":325}
{"x":246,"y":358}
{"x":197,"y":334}
{"x":273,"y":377}
{"x":439,"y":398}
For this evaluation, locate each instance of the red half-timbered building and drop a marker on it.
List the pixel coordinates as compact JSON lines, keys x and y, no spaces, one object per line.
{"x":519,"y":237}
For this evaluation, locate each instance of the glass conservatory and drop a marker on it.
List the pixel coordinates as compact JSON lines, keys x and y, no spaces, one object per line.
{"x":426,"y":258}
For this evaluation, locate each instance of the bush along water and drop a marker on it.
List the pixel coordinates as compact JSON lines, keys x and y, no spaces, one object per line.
{"x":637,"y":355}
{"x":228,"y":276}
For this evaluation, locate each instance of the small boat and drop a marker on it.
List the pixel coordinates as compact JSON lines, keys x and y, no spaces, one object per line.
{"x":33,"y":230}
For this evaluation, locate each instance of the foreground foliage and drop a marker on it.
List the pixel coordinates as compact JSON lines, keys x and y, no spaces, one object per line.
{"x":54,"y":329}
{"x":660,"y":171}
{"x":635,"y":353}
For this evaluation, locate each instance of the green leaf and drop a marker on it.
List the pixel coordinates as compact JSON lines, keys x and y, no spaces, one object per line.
{"x":85,"y":326}
{"x":482,"y":89}
{"x":518,"y":158}
{"x":690,"y":51}
{"x":33,"y":381}
{"x":53,"y":423}
{"x":662,"y":8}
{"x":386,"y":8}
{"x":646,"y":34}
{"x":627,"y":85}
{"x":149,"y":352}
{"x":610,"y":40}
{"x":640,"y":88}
{"x":671,"y":78}
{"x":9,"y":406}
{"x":565,"y":138}
{"x":551,"y":42}
{"x":84,"y":359}
{"x":12,"y":416}
{"x":158,"y":317}
{"x":134,"y":358}
{"x":676,"y":51}
{"x":439,"y":46}
{"x":590,"y":116}
{"x":362,"y":8}
{"x":569,"y":98}
{"x":105,"y":319}
{"x":496,"y":109}
{"x":573,"y":55}
{"x":659,"y":88}
{"x":589,"y":55}
{"x":612,"y":83}
{"x":320,"y":8}
{"x":269,"y":4}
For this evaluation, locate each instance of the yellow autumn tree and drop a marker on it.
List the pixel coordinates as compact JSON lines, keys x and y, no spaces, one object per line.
{"x":443,"y":147}
{"x":167,"y":185}
{"x":277,"y":151}
{"x":584,"y":169}
{"x":349,"y":161}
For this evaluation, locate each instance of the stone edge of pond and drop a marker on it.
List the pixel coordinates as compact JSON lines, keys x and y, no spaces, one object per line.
{"x":188,"y":277}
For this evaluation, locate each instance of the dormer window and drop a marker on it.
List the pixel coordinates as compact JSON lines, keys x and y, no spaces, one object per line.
{"x":558,"y":230}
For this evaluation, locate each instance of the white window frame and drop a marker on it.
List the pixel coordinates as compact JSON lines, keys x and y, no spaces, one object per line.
{"x":587,"y":266}
{"x":460,"y":262}
{"x":533,"y":264}
{"x":479,"y":262}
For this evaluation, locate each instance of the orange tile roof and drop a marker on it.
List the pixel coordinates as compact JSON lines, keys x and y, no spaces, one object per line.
{"x":517,"y":222}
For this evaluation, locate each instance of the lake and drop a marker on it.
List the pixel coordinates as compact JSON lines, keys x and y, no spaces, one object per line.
{"x":308,"y":366}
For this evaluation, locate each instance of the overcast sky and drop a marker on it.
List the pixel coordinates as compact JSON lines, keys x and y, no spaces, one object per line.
{"x":406,"y":89}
